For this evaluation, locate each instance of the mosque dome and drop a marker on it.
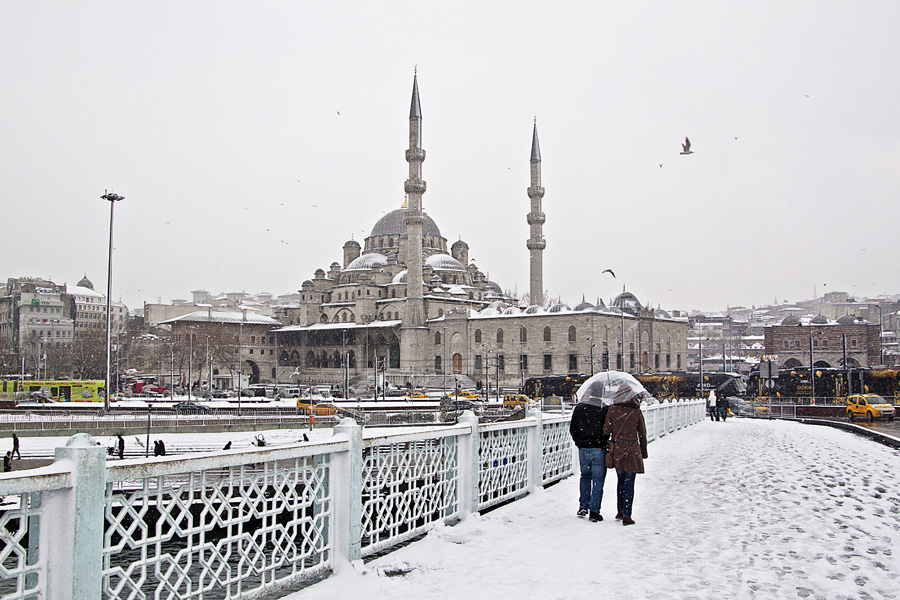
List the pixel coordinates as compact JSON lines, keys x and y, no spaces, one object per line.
{"x":351,"y":244}
{"x":444,"y":262}
{"x":86,"y":283}
{"x":791,"y":320}
{"x":819,"y":320}
{"x":847,"y":320}
{"x":459,"y":244}
{"x":400,"y":277}
{"x":494,"y":287}
{"x":627,"y":302}
{"x":512,"y":310}
{"x":392,"y":224}
{"x":371,"y":260}
{"x":534,"y":309}
{"x":661,"y":314}
{"x":559,"y":307}
{"x":586,"y":306}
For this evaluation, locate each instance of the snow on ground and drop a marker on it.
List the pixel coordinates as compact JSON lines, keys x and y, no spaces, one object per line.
{"x":741,"y":509}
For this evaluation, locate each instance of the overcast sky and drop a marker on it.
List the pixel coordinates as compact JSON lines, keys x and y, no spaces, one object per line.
{"x":250,"y":140}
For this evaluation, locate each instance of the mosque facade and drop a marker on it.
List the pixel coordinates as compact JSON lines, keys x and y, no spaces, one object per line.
{"x":404,"y":304}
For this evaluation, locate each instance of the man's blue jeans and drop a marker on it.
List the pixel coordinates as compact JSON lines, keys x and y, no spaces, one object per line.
{"x":625,"y":492}
{"x":593,"y":474}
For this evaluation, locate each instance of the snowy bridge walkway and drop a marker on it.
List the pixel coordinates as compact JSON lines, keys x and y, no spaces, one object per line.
{"x":741,"y":509}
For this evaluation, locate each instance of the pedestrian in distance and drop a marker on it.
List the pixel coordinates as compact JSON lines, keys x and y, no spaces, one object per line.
{"x":7,"y":462}
{"x":722,"y":407}
{"x":120,"y":445}
{"x":162,"y":448}
{"x":586,"y":429}
{"x":625,"y":423}
{"x":15,"y":450}
{"x":713,"y":406}
{"x":227,"y":446}
{"x":155,"y":447}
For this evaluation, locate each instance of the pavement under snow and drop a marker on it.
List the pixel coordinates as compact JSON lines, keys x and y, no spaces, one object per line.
{"x":741,"y":509}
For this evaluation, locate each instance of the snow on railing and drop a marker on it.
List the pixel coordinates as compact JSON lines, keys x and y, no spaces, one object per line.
{"x":244,"y":523}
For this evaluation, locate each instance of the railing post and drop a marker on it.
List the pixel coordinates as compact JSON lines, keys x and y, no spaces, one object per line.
{"x":468,"y":466}
{"x":347,"y":495}
{"x":74,"y":523}
{"x":535,"y":450}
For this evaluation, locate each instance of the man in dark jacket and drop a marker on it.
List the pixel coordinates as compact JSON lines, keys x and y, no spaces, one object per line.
{"x":722,"y":406}
{"x":586,"y":429}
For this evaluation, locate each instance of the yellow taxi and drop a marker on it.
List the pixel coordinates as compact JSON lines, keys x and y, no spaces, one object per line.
{"x":417,"y":395}
{"x":516,"y":400}
{"x":869,"y":406}
{"x":306,"y":406}
{"x":466,"y":394}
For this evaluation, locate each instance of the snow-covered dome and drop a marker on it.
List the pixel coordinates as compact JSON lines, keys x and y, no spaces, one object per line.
{"x":585,"y":306}
{"x":495,"y":287}
{"x":457,"y":290}
{"x":459,"y":244}
{"x":847,"y":320}
{"x":534,"y":309}
{"x":400,"y":277}
{"x":661,"y":314}
{"x":791,"y":320}
{"x":351,"y":244}
{"x":512,"y":310}
{"x":628,"y":302}
{"x":490,"y":311}
{"x":444,"y":262}
{"x":819,"y":320}
{"x":86,"y":283}
{"x":371,"y":260}
{"x":559,"y":307}
{"x":392,"y":224}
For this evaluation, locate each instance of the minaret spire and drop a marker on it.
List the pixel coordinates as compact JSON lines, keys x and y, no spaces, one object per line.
{"x":414,"y":334}
{"x":536,"y":218}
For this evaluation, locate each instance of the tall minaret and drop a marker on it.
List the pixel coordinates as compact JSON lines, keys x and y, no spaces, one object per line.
{"x":414,"y":334}
{"x":536,"y":218}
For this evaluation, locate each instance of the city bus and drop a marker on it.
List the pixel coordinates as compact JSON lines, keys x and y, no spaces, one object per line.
{"x":62,"y":390}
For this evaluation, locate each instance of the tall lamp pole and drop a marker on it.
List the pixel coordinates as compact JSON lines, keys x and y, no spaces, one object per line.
{"x":881,"y":334}
{"x":591,"y":340}
{"x":112,"y":198}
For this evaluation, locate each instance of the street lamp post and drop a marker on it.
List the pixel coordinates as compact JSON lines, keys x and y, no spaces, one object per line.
{"x":444,"y":365}
{"x":112,"y":198}
{"x":190,"y":360}
{"x":881,"y":334}
{"x":591,"y":340}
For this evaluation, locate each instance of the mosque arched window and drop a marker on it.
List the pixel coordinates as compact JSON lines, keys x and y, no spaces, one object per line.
{"x":352,"y":318}
{"x":324,"y":360}
{"x":344,"y":317}
{"x":335,"y":319}
{"x":336,"y":360}
{"x":499,"y":336}
{"x":324,"y":318}
{"x":351,"y":359}
{"x":393,"y":293}
{"x":440,"y":312}
{"x":546,"y":334}
{"x":392,"y":242}
{"x":310,"y":359}
{"x":523,"y":335}
{"x":477,"y":336}
{"x":437,"y":338}
{"x":571,"y":333}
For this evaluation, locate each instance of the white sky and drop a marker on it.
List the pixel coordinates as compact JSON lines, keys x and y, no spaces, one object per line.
{"x":219,"y":124}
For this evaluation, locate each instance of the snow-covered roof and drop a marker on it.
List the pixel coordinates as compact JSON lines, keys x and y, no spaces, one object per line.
{"x":203,"y":316}
{"x":77,"y":290}
{"x":326,"y":326}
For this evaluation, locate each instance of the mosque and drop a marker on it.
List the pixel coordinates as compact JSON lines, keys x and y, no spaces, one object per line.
{"x":404,"y":305}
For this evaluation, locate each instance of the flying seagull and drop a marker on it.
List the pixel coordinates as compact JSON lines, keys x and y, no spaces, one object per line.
{"x":610,"y":271}
{"x":686,"y":146}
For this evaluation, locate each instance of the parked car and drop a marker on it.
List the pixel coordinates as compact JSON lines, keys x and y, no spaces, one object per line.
{"x":418,"y":395}
{"x":869,"y":406}
{"x":472,"y":405}
{"x":191,"y":408}
{"x":469,"y":395}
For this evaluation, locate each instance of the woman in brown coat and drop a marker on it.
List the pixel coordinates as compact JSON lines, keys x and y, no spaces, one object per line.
{"x":625,"y":422}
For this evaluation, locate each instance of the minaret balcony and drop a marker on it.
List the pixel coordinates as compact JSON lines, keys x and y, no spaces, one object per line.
{"x":536,"y":190}
{"x":415,"y":155}
{"x":414,"y":187}
{"x":536,"y":218}
{"x":536,"y":244}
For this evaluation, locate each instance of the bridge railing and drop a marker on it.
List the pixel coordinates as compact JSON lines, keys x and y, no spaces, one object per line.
{"x":243,"y":523}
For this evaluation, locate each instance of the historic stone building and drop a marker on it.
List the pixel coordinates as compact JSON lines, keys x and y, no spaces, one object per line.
{"x":797,"y":341}
{"x":402,"y":303}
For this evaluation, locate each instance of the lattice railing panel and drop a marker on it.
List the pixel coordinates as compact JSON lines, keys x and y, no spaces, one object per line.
{"x":238,"y":530}
{"x":406,"y":487}
{"x":503,"y":465}
{"x":556,"y":461}
{"x":651,"y":417}
{"x":21,"y":574}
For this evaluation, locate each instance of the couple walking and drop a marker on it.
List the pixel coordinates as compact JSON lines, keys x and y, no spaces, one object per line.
{"x":595,"y":427}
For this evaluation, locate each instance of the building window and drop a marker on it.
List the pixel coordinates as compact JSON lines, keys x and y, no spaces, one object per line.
{"x":853,"y":342}
{"x":656,"y":362}
{"x":787,"y":344}
{"x":571,"y":333}
{"x":523,"y":363}
{"x":477,"y":362}
{"x":251,"y":350}
{"x":619,"y":366}
{"x":678,"y":362}
{"x":546,"y":334}
{"x":499,"y":336}
{"x":573,"y":363}
{"x":605,"y":361}
{"x":548,"y":362}
{"x":437,"y":364}
{"x":668,"y":361}
{"x":437,"y":338}
{"x":477,"y":336}
{"x":523,"y":335}
{"x":501,"y":363}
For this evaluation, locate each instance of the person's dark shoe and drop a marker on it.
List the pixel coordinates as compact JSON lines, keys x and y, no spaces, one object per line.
{"x":582,"y":512}
{"x":627,"y":521}
{"x":619,"y":516}
{"x":595,"y":517}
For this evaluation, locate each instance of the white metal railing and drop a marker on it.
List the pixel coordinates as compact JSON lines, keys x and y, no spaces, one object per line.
{"x":244,"y":523}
